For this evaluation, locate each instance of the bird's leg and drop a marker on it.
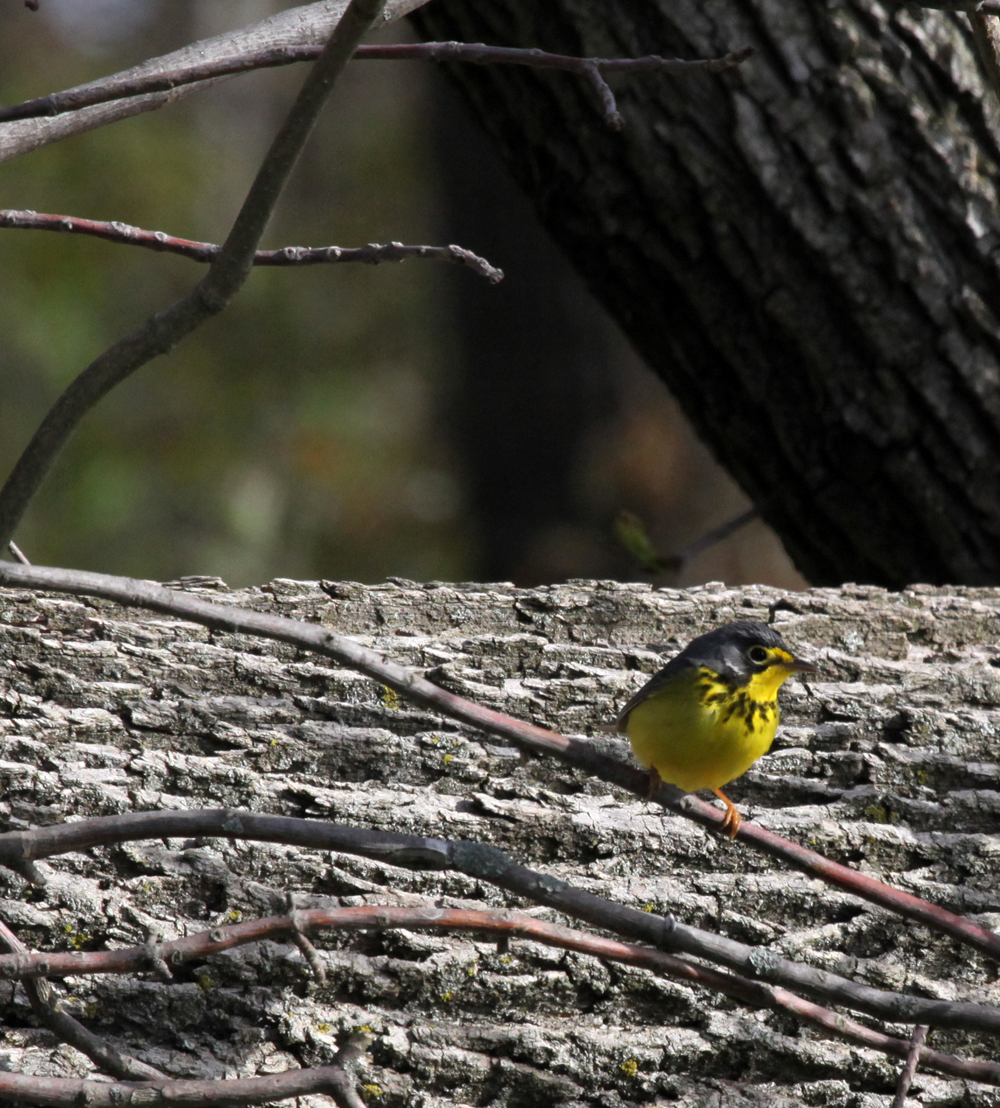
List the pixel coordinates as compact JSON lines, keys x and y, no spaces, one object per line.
{"x":655,"y":781}
{"x":731,"y":823}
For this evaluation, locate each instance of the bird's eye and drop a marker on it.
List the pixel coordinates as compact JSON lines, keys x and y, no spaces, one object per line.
{"x":758,"y":655}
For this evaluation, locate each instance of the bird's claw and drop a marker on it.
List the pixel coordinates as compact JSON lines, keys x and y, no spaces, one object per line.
{"x":732,"y":819}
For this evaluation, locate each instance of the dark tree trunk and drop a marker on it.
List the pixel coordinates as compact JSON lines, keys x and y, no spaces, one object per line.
{"x":805,"y":250}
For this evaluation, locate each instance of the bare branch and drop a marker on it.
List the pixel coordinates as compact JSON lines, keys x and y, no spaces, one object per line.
{"x":69,"y":1030}
{"x":60,"y":1092}
{"x":124,"y":233}
{"x":485,"y":863}
{"x":18,"y":553}
{"x":122,"y":86}
{"x":631,"y":533}
{"x":910,"y":1068}
{"x":225,"y":276}
{"x":495,"y":925}
{"x":309,"y":25}
{"x":125,"y":590}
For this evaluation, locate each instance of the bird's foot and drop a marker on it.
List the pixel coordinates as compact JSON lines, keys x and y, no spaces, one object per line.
{"x":732,"y":820}
{"x":655,"y":781}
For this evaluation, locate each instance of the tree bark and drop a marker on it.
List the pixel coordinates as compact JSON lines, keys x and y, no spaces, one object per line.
{"x":805,"y":249}
{"x":886,"y":760}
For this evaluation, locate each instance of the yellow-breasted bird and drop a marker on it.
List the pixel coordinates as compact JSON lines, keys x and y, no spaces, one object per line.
{"x":712,"y":711}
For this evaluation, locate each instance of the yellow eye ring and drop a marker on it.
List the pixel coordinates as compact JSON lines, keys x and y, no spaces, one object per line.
{"x":758,"y":655}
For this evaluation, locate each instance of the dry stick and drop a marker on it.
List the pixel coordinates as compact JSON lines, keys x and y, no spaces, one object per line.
{"x":486,"y":863}
{"x":372,"y":254}
{"x":310,"y":24}
{"x":71,"y":1031}
{"x":912,"y":1058}
{"x":573,"y":752}
{"x":494,"y":924}
{"x":718,"y":534}
{"x":631,"y":532}
{"x":60,"y":1092}
{"x":225,"y":277}
{"x":118,"y":88}
{"x":18,"y":553}
{"x":300,"y":925}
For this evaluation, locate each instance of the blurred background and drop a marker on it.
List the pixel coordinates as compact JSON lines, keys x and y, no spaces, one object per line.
{"x":340,"y":422}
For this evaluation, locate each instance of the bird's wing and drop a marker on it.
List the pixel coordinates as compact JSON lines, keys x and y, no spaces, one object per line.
{"x":657,"y":681}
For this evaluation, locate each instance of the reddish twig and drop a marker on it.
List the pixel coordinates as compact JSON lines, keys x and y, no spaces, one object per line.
{"x":573,"y":752}
{"x":594,"y":69}
{"x":371,"y":254}
{"x":49,"y":1014}
{"x":210,"y":296}
{"x":495,"y":925}
{"x":485,"y":863}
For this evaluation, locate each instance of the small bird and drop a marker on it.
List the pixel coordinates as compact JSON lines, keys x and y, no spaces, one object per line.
{"x":712,"y":711}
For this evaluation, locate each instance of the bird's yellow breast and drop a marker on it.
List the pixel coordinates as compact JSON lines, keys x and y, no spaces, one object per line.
{"x":699,"y":732}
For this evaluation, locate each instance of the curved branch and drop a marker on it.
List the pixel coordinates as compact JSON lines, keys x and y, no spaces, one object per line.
{"x":127,"y":591}
{"x":225,"y":276}
{"x":121,"y":86}
{"x":309,"y":25}
{"x":498,"y":925}
{"x":486,"y":863}
{"x":49,"y":1014}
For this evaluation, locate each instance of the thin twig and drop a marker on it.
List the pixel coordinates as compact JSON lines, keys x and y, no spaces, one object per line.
{"x":913,"y":1056}
{"x":307,"y":25}
{"x":494,"y":924}
{"x":49,"y":1014}
{"x":486,"y":863}
{"x":18,"y":553}
{"x":582,"y":755}
{"x":718,"y":534}
{"x":300,"y":925}
{"x":632,"y":534}
{"x":120,"y":88}
{"x":372,"y":254}
{"x":225,"y":276}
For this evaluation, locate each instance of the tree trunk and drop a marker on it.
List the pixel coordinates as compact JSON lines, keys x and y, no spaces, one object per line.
{"x":805,"y":249}
{"x":885,"y":759}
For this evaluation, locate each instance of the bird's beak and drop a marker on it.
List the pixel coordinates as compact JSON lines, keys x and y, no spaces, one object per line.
{"x":796,"y":665}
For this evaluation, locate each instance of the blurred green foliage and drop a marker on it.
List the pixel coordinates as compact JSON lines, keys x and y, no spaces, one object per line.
{"x":323,"y":426}
{"x":297,"y":434}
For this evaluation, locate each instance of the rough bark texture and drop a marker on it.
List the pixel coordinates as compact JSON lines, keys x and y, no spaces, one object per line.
{"x":805,"y":250}
{"x":886,"y":761}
